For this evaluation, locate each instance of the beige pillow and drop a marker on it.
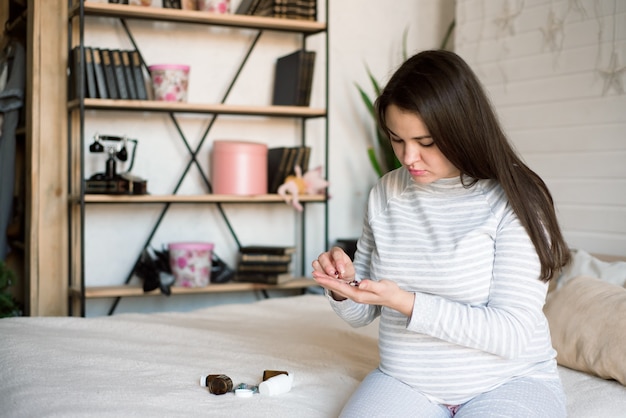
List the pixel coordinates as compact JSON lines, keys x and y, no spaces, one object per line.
{"x":587,"y":318}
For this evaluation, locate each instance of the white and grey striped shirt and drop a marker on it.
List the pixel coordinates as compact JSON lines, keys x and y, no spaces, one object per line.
{"x":477,"y":321}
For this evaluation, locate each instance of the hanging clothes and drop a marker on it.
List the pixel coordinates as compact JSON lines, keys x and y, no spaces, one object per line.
{"x":13,"y":64}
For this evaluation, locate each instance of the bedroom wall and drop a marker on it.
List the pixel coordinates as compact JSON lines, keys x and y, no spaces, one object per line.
{"x":548,"y":67}
{"x":361,"y":32}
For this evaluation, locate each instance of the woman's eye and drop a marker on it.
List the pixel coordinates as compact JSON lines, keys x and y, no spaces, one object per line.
{"x":395,"y":139}
{"x":427,"y":144}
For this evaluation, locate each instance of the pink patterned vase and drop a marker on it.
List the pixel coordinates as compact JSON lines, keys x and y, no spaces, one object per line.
{"x":170,"y":82}
{"x":191,"y":263}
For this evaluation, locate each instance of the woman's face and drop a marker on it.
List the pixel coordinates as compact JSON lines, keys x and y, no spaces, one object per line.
{"x":414,"y":147}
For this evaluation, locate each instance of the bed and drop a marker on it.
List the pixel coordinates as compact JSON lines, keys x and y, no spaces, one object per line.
{"x":149,"y":365}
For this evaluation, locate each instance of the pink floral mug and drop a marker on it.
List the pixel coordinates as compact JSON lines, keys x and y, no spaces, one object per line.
{"x":191,"y":263}
{"x":170,"y":82}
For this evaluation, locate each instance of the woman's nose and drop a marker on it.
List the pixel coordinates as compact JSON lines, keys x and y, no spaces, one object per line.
{"x":412,"y":153}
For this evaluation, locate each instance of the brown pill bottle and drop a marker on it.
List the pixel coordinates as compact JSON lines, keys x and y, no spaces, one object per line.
{"x":218,"y":384}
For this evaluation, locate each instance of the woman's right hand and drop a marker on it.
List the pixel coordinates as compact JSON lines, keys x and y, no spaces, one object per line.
{"x":334,"y":264}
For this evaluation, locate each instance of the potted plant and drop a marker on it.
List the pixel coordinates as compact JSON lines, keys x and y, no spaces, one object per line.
{"x":385,"y":160}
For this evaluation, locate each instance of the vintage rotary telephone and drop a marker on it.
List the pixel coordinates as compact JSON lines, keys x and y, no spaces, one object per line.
{"x":110,"y":182}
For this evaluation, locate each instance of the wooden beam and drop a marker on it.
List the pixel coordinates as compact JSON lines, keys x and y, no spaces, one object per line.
{"x":46,"y":116}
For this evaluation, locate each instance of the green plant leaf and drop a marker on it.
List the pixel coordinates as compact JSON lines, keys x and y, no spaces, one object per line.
{"x":368,"y":102}
{"x":374,"y":161}
{"x":370,"y":150}
{"x":388,"y":157}
{"x":446,"y":38}
{"x":405,"y":35}
{"x":375,"y":84}
{"x":391,"y":161}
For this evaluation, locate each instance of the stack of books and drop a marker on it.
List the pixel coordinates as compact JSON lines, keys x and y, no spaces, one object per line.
{"x":285,"y":9}
{"x":109,"y":74}
{"x":293,"y":79}
{"x":265,"y":264}
{"x":281,"y":163}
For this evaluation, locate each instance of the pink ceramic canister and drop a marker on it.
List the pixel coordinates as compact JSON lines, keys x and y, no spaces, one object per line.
{"x":191,"y":263}
{"x":170,"y":82}
{"x":239,"y":168}
{"x":214,"y":6}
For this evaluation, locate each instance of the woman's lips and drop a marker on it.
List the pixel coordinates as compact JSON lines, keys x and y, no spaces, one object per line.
{"x":417,"y":173}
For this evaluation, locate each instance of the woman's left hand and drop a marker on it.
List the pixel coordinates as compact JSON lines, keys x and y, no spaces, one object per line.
{"x":383,"y":293}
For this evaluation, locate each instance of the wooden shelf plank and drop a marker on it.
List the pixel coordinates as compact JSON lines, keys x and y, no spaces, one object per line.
{"x":99,"y":292}
{"x":180,"y":107}
{"x":192,"y":16}
{"x":206,"y":198}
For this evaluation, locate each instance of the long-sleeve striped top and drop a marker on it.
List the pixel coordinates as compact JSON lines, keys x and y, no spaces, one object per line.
{"x":477,"y":321}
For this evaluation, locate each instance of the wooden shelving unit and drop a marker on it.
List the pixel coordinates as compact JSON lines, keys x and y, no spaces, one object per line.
{"x":78,"y":290}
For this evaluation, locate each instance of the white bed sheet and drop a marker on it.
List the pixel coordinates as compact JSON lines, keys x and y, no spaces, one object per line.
{"x":149,"y":365}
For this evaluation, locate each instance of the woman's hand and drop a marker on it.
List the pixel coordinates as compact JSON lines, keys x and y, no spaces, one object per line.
{"x":333,"y":270}
{"x":335,"y":263}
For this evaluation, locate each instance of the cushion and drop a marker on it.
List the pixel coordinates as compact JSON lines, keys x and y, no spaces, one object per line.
{"x":587,"y":318}
{"x":608,"y":268}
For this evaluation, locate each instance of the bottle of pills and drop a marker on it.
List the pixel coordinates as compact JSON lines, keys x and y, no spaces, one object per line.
{"x":218,"y":384}
{"x":276,"y":385}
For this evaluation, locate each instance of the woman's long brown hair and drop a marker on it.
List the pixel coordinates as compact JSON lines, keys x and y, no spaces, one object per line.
{"x":446,"y":94}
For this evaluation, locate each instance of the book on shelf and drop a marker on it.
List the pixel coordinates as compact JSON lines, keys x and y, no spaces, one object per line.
{"x":90,"y":77}
{"x":98,"y":71}
{"x":276,"y":163}
{"x":264,"y":278}
{"x":306,"y":157}
{"x":128,"y":74}
{"x":261,"y":268}
{"x":138,"y":75}
{"x":293,"y":78}
{"x":267,"y":249}
{"x":301,"y":159}
{"x":281,"y":162}
{"x":264,"y":258}
{"x":87,"y":73}
{"x":118,"y":70}
{"x":304,"y":94}
{"x":109,"y":73}
{"x":75,"y":72}
{"x":247,"y":7}
{"x":291,"y":162}
{"x":173,"y":4}
{"x":292,"y":152}
{"x":288,"y":9}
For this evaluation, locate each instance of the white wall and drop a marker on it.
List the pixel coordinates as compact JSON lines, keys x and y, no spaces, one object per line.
{"x":544,"y":64}
{"x":360,"y":32}
{"x":368,"y":33}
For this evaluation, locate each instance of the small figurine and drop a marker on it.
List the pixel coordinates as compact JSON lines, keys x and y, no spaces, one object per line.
{"x":311,"y":183}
